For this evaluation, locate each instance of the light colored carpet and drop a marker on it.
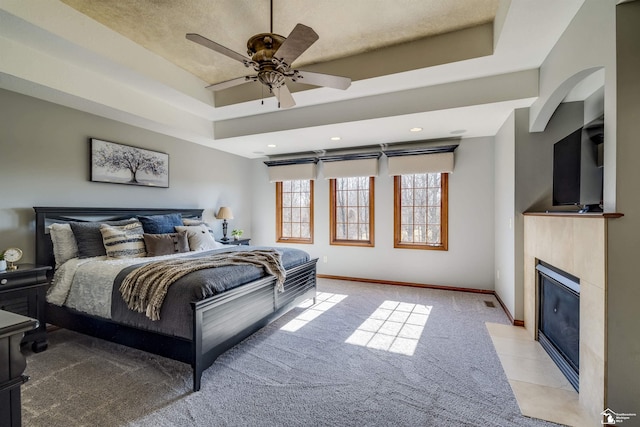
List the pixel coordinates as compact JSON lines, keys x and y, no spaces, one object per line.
{"x":365,"y":355}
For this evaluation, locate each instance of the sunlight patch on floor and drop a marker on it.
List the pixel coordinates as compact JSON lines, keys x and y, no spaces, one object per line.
{"x":394,"y":326}
{"x":324,"y":301}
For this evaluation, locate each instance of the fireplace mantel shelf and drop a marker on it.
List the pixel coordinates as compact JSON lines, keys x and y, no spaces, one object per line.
{"x":576,"y":214}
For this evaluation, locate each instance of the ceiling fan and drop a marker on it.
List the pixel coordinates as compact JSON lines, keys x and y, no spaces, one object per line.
{"x":271,"y":55}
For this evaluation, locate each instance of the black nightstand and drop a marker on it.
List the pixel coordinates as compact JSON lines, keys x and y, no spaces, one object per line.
{"x":12,"y":329}
{"x":235,"y":242}
{"x":23,"y":291}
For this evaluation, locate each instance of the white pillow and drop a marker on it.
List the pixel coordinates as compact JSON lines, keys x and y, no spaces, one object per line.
{"x":64,"y":243}
{"x":199,"y":237}
{"x":192,"y":221}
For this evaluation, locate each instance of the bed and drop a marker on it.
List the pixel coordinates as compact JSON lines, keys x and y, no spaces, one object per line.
{"x":217,"y":322}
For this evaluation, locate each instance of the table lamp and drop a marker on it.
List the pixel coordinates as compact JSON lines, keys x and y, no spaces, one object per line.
{"x":224,"y":214}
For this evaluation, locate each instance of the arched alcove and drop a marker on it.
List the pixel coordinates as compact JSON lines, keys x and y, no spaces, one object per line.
{"x":542,"y":110}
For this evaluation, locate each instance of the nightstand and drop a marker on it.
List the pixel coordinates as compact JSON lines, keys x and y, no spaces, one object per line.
{"x":12,"y":329}
{"x":23,"y":291}
{"x":235,"y":242}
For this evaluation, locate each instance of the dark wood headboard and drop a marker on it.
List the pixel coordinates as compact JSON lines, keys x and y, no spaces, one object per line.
{"x":45,"y":216}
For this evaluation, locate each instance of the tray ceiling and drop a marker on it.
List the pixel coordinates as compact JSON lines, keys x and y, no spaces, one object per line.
{"x":452,"y":68}
{"x":345,"y":28}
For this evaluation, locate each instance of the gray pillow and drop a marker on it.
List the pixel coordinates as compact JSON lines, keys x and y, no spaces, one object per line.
{"x":89,"y":238}
{"x":166,"y":244}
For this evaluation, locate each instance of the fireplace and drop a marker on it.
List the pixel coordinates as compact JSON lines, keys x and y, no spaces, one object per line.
{"x":575,"y":244}
{"x":559,"y":319}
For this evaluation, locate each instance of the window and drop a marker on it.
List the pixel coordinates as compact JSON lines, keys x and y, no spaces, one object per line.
{"x":294,"y":211}
{"x":421,"y":211}
{"x":351,"y":216}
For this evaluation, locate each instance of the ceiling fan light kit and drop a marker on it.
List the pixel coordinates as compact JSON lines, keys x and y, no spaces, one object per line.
{"x":271,"y":56}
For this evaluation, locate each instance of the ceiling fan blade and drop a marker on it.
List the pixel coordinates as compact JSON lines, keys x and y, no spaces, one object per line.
{"x":319,"y":79}
{"x":217,"y":47}
{"x":284,"y":97}
{"x":300,"y":39}
{"x":231,"y":83}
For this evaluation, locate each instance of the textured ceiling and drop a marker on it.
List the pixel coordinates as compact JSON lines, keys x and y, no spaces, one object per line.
{"x":345,"y":27}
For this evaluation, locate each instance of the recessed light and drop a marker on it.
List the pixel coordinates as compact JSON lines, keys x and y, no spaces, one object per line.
{"x":271,"y":145}
{"x":458,"y":131}
{"x":335,"y":138}
{"x":416,"y":129}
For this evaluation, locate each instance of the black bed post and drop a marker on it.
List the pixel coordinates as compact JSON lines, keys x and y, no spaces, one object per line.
{"x":197,"y":378}
{"x":197,"y":348}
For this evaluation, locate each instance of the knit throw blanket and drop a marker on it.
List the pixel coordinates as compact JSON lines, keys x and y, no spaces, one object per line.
{"x":144,"y":288}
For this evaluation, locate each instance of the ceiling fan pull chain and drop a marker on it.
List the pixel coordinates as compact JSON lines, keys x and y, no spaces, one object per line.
{"x":271,"y":17}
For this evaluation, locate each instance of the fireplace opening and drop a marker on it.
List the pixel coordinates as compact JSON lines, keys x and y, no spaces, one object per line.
{"x":559,"y":319}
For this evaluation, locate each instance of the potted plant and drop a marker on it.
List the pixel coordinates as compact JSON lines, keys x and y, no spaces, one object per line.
{"x":3,"y":262}
{"x":236,"y":233}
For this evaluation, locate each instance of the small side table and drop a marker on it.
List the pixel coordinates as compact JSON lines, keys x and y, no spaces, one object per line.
{"x":23,"y":291}
{"x":12,"y":328}
{"x":238,"y":242}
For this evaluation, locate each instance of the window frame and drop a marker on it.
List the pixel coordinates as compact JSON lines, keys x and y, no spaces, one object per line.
{"x":444,"y":216}
{"x":279,"y":237}
{"x":333,"y":240}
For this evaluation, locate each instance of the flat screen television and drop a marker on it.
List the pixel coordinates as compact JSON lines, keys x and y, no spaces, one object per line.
{"x":577,"y":171}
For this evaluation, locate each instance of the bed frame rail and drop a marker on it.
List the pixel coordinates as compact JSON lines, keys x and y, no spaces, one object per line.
{"x":221,"y":323}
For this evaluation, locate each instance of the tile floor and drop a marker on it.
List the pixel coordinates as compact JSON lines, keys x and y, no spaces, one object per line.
{"x":542,"y":391}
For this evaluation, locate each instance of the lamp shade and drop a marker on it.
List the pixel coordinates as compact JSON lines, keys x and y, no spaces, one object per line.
{"x":224,"y":213}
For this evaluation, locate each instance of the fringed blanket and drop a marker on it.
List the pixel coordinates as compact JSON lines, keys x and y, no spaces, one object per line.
{"x":145,"y":287}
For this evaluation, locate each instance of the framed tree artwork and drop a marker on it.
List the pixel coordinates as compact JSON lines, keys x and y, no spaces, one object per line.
{"x":123,"y":164}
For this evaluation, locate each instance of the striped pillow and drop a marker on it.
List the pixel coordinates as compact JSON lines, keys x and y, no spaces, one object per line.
{"x":123,"y":241}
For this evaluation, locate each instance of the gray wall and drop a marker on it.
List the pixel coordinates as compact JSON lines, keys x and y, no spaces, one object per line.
{"x":504,"y":188}
{"x":534,"y":157}
{"x":523,"y":162}
{"x":469,"y":262}
{"x":534,"y":176}
{"x":44,"y":161}
{"x":623,"y":289}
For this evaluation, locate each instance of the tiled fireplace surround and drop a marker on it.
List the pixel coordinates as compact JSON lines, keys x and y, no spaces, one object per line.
{"x":575,"y":243}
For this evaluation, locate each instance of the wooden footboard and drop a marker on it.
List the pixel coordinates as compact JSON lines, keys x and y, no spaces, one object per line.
{"x":226,"y":319}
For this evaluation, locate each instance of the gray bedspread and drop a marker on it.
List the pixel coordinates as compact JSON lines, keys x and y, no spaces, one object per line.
{"x":176,"y":315}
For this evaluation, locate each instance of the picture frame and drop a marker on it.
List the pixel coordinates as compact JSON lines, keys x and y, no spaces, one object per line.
{"x":124,"y":164}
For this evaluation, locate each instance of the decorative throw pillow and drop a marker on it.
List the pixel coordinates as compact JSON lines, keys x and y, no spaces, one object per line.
{"x":123,"y":241}
{"x":64,"y":243}
{"x":89,"y":238}
{"x":199,"y":237}
{"x":166,"y":244}
{"x":193,"y":221}
{"x":160,"y":224}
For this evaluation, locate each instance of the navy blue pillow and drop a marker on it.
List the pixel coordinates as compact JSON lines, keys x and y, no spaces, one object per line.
{"x":160,"y":224}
